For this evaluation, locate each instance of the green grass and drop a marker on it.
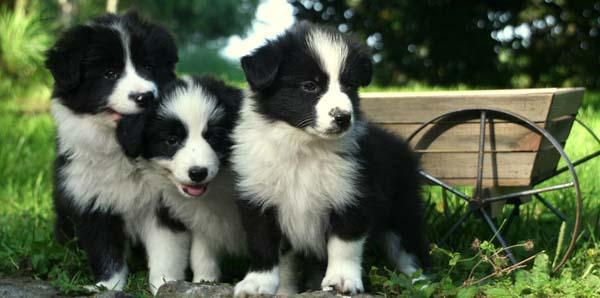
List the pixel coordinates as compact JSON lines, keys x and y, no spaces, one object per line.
{"x":27,"y":246}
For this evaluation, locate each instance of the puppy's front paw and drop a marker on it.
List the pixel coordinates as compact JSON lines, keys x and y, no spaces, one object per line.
{"x":343,"y":282}
{"x":105,"y":286}
{"x":256,"y":283}
{"x":205,"y":278}
{"x":158,"y":281}
{"x":116,"y":282}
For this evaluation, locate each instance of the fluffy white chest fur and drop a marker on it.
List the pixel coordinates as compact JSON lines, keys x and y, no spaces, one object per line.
{"x":303,"y":178}
{"x":98,"y":174}
{"x":214,"y":217}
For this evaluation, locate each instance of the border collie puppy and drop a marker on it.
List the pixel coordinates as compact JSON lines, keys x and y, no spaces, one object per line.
{"x":314,"y":177}
{"x":109,"y":67}
{"x":185,"y":143}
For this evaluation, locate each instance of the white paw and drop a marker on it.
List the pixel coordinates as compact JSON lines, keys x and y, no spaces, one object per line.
{"x":116,"y":282}
{"x":106,"y":286}
{"x":256,"y":283}
{"x":157,"y":282}
{"x":205,"y":278}
{"x":343,"y":282}
{"x":288,"y":290}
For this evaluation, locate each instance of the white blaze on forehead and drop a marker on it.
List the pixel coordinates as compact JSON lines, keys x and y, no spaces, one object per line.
{"x":130,"y":81}
{"x":331,"y":51}
{"x":195,"y":108}
{"x":192,"y":105}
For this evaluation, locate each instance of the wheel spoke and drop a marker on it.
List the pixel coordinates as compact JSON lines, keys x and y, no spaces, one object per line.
{"x":556,"y":212}
{"x":480,"y":156}
{"x":494,"y":229}
{"x":444,"y":185}
{"x":455,"y":226}
{"x":528,"y":192}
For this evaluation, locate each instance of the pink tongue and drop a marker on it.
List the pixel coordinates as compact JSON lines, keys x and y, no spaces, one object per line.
{"x":116,"y":116}
{"x":194,"y":191}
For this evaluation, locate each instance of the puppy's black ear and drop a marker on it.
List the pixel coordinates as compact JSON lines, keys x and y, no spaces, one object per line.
{"x":359,"y":68}
{"x":130,"y":133}
{"x":261,"y":66}
{"x":229,"y":96}
{"x":65,"y":57}
{"x":133,"y":14}
{"x":365,"y":66}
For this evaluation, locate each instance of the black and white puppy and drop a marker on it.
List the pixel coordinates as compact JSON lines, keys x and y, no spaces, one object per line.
{"x":312,"y":173}
{"x":185,"y":144}
{"x":109,"y":67}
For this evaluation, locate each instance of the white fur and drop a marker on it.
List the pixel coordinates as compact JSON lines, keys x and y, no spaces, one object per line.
{"x":130,"y":82}
{"x":99,"y":177}
{"x":397,"y":255}
{"x":255,"y":283}
{"x":168,"y":252}
{"x":98,"y":174}
{"x":213,"y":218}
{"x":332,"y":53}
{"x":301,"y":175}
{"x":205,"y":260}
{"x":344,"y":265}
{"x":194,"y":107}
{"x":116,"y":282}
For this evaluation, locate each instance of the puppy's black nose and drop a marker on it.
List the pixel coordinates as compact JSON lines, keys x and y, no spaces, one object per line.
{"x":197,"y":174}
{"x":342,"y":119}
{"x":143,"y":99}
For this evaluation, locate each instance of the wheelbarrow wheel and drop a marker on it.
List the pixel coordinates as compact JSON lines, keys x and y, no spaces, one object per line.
{"x":478,"y":201}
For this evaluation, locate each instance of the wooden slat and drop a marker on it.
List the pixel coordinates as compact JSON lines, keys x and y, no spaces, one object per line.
{"x":464,"y":137}
{"x":451,"y":137}
{"x":419,"y":107}
{"x":500,"y":182}
{"x":545,"y":163}
{"x":516,"y":165}
{"x":559,"y":128}
{"x":566,"y":101}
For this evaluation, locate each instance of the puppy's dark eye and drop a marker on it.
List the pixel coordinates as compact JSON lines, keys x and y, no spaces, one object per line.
{"x":213,"y":134}
{"x":172,"y":140}
{"x":310,"y":87}
{"x":111,"y":74}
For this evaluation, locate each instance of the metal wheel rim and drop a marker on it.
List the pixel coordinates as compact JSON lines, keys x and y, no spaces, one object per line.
{"x":518,"y":119}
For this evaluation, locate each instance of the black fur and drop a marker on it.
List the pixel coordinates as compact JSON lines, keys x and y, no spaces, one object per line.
{"x":146,"y":134}
{"x":168,"y":220}
{"x":264,"y":236}
{"x":78,"y":63}
{"x":388,"y":195}
{"x":82,"y":55}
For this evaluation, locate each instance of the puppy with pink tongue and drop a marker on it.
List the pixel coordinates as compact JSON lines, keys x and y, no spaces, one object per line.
{"x":184,"y":145}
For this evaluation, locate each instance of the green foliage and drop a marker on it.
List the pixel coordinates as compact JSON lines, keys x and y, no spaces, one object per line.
{"x":206,"y":59}
{"x":200,"y":28}
{"x":437,"y":41}
{"x":200,"y":21}
{"x":474,"y":42}
{"x":536,"y":281}
{"x":23,"y":41}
